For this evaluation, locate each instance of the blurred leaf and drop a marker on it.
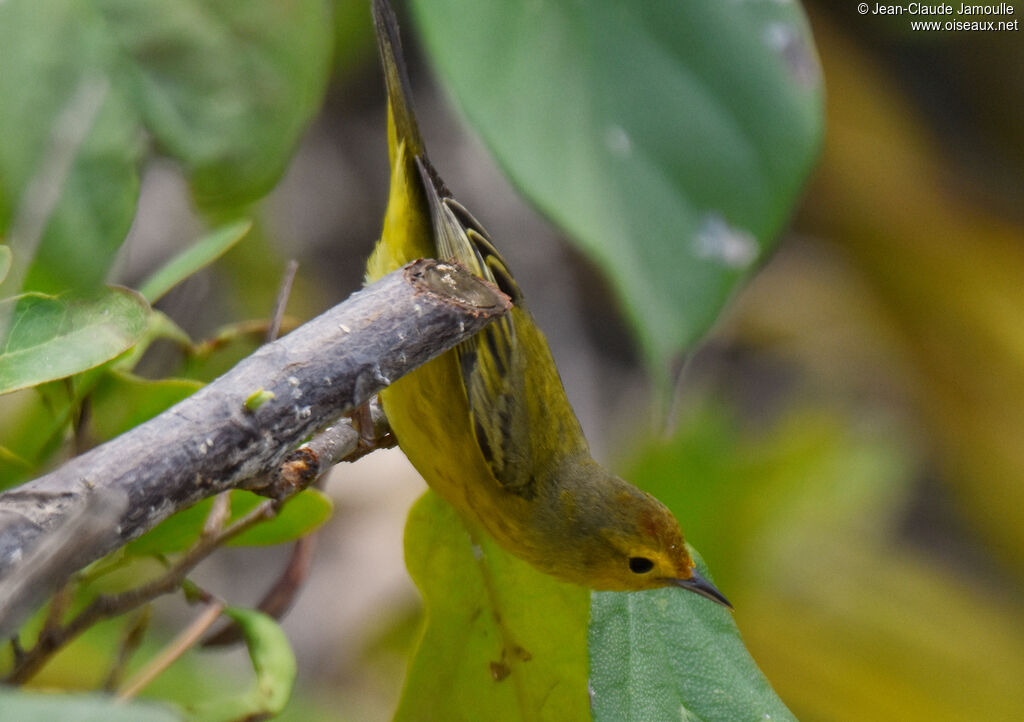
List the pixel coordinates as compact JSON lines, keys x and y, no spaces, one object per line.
{"x":230,"y":344}
{"x":116,"y":573}
{"x":274,"y":663}
{"x":353,"y":37}
{"x":85,"y":663}
{"x":302,"y":514}
{"x":861,"y":630}
{"x":54,"y":337}
{"x":40,"y":707}
{"x":159,"y":326}
{"x":502,"y":640}
{"x":13,"y":468}
{"x":70,"y":148}
{"x":669,"y":654}
{"x":122,"y":401}
{"x":909,"y":226}
{"x":730,"y":491}
{"x":670,"y":140}
{"x":9,"y":457}
{"x":5,"y":262}
{"x":199,"y":255}
{"x":32,"y":428}
{"x":226,"y":87}
{"x":847,"y":617}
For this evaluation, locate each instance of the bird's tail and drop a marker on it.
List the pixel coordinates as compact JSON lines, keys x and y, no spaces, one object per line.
{"x":402,"y":127}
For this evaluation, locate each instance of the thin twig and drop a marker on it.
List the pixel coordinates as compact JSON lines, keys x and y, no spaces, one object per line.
{"x":130,"y":641}
{"x":181,"y":644}
{"x":313,"y":460}
{"x":252,"y":330}
{"x":679,"y":376}
{"x":58,"y":606}
{"x":17,"y":651}
{"x":108,"y":606}
{"x":283,"y":292}
{"x":220,"y":512}
{"x":280,"y":597}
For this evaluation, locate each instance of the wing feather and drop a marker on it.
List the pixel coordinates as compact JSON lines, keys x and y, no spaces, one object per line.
{"x":491,"y":365}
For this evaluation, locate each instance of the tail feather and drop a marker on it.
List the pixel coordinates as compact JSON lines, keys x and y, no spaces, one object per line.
{"x":402,"y":127}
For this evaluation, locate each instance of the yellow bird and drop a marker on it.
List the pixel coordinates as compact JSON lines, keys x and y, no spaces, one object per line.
{"x":488,"y":424}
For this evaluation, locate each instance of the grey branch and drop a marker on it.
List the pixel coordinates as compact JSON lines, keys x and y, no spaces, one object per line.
{"x":220,"y":438}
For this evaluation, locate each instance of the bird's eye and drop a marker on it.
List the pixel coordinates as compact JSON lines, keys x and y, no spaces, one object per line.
{"x":640,"y":565}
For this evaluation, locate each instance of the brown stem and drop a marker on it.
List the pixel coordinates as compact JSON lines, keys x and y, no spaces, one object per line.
{"x":283,"y":293}
{"x":108,"y":606}
{"x":130,"y":641}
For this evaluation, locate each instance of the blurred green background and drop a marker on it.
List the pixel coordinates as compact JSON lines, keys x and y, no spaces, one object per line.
{"x":846,"y":447}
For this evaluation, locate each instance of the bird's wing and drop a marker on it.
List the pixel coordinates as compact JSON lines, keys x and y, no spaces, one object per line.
{"x":492,"y":369}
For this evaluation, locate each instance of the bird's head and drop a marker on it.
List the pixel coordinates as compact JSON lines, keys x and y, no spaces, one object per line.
{"x":637,"y":544}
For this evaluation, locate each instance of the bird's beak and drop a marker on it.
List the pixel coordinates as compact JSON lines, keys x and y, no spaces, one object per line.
{"x":700,"y":585}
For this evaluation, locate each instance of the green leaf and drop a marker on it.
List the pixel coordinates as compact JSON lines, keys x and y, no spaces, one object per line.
{"x":5,"y":262}
{"x":302,"y":514}
{"x":40,"y":707}
{"x":670,"y":654}
{"x":174,"y":534}
{"x":502,"y":641}
{"x":52,"y":337}
{"x":121,"y":401}
{"x":158,"y":326}
{"x":12,"y":467}
{"x":257,"y":398}
{"x":35,"y":421}
{"x":32,"y":426}
{"x":668,"y":139}
{"x":274,"y":663}
{"x":201,"y":254}
{"x":225,"y":87}
{"x":70,"y":149}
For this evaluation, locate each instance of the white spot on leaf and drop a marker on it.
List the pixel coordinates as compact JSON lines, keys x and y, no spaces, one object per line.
{"x":617,"y":140}
{"x":716,"y":240}
{"x":791,"y":44}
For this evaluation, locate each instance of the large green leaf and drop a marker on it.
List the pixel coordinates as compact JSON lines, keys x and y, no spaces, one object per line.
{"x":224,"y":87}
{"x":69,"y":150}
{"x":51,"y":337}
{"x":502,"y":640}
{"x":669,"y":654}
{"x":669,"y":139}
